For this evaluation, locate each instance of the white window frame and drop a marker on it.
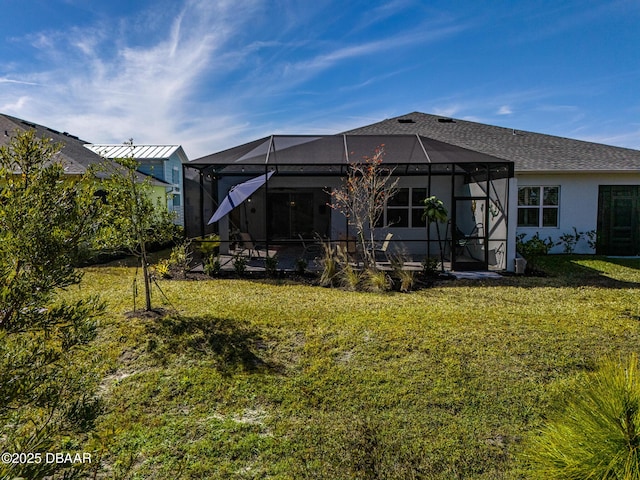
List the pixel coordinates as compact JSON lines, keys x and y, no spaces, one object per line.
{"x":541,"y":207}
{"x":410,"y":208}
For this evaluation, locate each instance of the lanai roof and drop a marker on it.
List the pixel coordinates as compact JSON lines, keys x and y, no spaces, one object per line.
{"x":530,"y":152}
{"x":284,"y":152}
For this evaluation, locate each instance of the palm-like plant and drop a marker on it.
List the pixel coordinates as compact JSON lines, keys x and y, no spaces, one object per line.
{"x":435,"y":212}
{"x":598,"y":435}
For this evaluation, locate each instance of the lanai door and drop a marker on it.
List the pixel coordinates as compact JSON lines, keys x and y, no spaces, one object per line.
{"x":618,"y":222}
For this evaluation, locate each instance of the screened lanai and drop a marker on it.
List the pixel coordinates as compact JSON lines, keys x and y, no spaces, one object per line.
{"x":295,"y":201}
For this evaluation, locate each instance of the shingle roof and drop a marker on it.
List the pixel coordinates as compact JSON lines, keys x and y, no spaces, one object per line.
{"x":75,"y":158}
{"x":530,"y":152}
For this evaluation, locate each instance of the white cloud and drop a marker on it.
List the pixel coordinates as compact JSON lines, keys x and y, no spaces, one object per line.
{"x":505,"y":110}
{"x":106,"y":90}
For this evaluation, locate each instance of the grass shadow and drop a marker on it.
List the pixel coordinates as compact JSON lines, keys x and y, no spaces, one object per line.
{"x":233,"y":345}
{"x":591,"y":271}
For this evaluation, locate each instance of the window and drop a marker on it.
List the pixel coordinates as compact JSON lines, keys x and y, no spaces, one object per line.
{"x":175,"y":176}
{"x":405,"y":208}
{"x":538,"y":206}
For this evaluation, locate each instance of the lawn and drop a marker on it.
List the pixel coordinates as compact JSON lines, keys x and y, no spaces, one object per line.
{"x":257,"y":379}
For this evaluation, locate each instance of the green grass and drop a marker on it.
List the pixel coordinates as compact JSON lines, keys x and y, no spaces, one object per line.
{"x":273,"y":380}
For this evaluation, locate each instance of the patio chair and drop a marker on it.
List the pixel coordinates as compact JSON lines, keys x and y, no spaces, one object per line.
{"x":464,"y":241}
{"x":310,"y":248}
{"x":247,"y":245}
{"x":381,"y":251}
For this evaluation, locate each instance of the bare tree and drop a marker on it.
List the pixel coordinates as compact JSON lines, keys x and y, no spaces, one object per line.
{"x":362,"y":199}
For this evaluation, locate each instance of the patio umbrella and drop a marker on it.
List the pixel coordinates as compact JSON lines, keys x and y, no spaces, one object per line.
{"x":238,"y":194}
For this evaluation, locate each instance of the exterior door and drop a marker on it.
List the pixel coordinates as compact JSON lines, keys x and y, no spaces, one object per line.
{"x":618,"y":225}
{"x":468,"y":235}
{"x":290,"y":215}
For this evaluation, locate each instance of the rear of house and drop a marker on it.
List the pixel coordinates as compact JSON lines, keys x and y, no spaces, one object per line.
{"x":563,"y":185}
{"x":496,"y":183}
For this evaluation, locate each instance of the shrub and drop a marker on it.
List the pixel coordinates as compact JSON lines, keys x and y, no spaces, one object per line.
{"x":569,"y":241}
{"x":598,"y":433}
{"x":240,"y":264}
{"x":163,"y":268}
{"x":592,"y":239}
{"x":405,"y":278}
{"x":208,"y":246}
{"x":212,"y":266}
{"x":348,"y":276}
{"x":430,"y":266}
{"x":329,"y":264}
{"x":271,"y":265}
{"x":533,"y":248}
{"x":377,"y":280}
{"x":301,"y":266}
{"x":180,"y":257}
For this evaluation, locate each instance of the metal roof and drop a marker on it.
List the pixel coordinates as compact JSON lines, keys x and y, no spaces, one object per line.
{"x":138,"y":152}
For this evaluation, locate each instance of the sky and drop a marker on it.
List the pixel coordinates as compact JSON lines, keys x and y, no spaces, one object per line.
{"x":212,"y":74}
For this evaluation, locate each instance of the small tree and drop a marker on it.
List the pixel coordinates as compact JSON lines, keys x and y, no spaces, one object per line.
{"x":132,"y":220}
{"x":435,"y":212}
{"x":362,"y":199}
{"x":44,"y":219}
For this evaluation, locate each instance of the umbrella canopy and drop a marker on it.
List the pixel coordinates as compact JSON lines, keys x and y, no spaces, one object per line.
{"x":238,"y":194}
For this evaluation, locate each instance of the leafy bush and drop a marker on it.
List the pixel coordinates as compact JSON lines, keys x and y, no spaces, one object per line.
{"x":180,"y":258}
{"x":240,"y":264}
{"x":592,"y":239}
{"x":533,"y":248}
{"x":301,"y":266}
{"x":569,"y":241}
{"x":430,"y":266}
{"x":163,"y":268}
{"x":598,"y":433}
{"x":271,"y":265}
{"x":212,"y":266}
{"x":208,"y":246}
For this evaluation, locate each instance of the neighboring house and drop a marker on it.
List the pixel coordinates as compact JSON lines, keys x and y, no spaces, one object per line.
{"x":74,"y":156}
{"x":495,"y":182}
{"x":163,"y":162}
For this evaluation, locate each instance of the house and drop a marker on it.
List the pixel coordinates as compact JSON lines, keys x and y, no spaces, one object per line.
{"x":562,"y":183}
{"x":162,"y":162}
{"x":75,"y":158}
{"x":496,"y":183}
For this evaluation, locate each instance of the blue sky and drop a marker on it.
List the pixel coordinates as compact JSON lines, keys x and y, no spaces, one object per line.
{"x":212,"y":74}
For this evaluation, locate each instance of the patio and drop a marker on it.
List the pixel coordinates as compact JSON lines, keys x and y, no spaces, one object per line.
{"x":288,"y":257}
